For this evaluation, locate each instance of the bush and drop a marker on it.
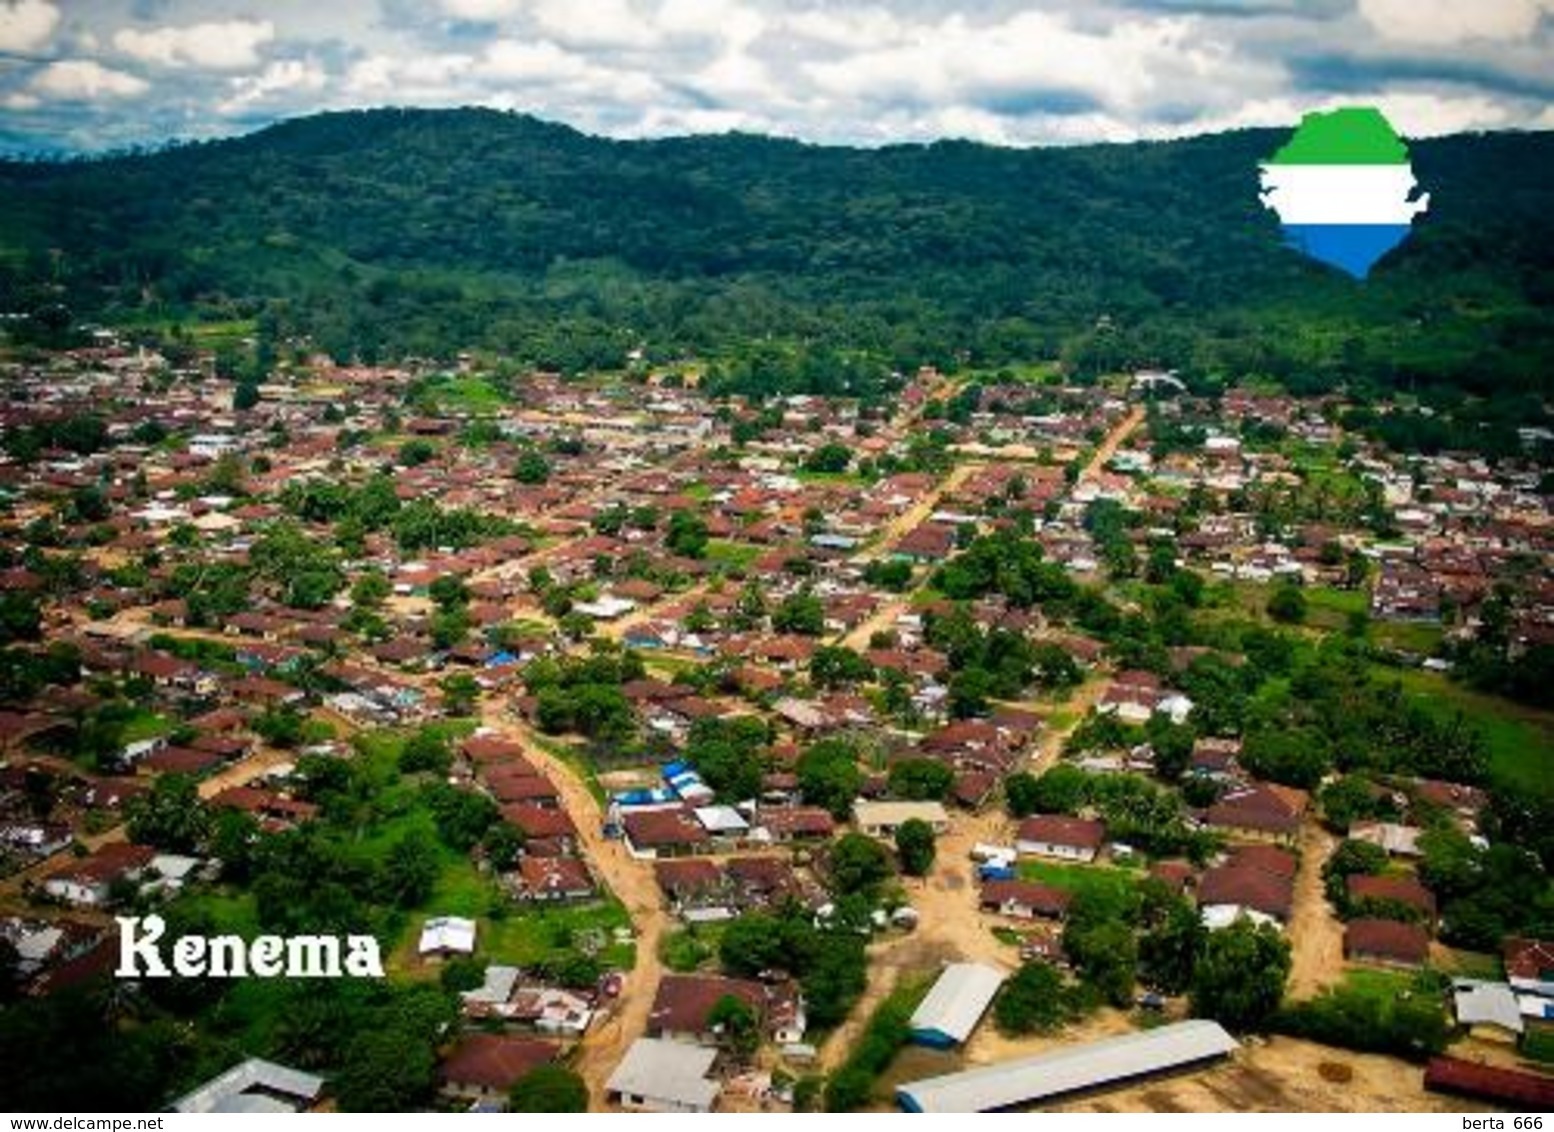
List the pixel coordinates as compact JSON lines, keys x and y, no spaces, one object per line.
{"x":1411,"y":1025}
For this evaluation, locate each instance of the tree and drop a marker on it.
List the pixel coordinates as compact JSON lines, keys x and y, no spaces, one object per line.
{"x":462,"y":973}
{"x":857,"y":863}
{"x":370,"y":590}
{"x":170,"y":817}
{"x":1287,"y":605}
{"x":1106,"y":955}
{"x":460,"y":693}
{"x":414,"y":453}
{"x":550,"y":1088}
{"x":829,"y":776}
{"x":532,"y":468}
{"x":921,"y":779}
{"x":736,"y":1025}
{"x":833,"y":666}
{"x":687,"y":535}
{"x":410,"y":870}
{"x":426,"y":750}
{"x":915,"y":846}
{"x":1168,"y":952}
{"x":1239,"y":980}
{"x":385,"y":1070}
{"x":830,"y":458}
{"x":1033,"y":1001}
{"x":800,"y":613}
{"x":245,"y":396}
{"x":502,"y":844}
{"x":969,"y":692}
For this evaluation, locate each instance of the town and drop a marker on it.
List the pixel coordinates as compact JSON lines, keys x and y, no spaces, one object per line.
{"x":1008,"y":740}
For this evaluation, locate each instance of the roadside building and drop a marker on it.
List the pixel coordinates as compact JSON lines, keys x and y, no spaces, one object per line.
{"x":955,"y":1004}
{"x":658,"y":1075}
{"x":1026,"y":1081}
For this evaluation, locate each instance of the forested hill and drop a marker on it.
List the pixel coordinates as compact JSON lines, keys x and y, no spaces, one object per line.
{"x":386,"y":232}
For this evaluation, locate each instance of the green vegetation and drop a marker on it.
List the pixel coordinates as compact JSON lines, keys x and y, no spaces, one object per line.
{"x":852,"y":1085}
{"x":1374,"y":1012}
{"x":568,"y":251}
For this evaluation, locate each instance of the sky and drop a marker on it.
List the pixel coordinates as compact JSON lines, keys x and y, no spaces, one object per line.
{"x":88,"y":75}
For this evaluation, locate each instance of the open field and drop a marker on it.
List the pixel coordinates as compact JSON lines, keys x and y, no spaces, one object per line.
{"x":1520,"y":738}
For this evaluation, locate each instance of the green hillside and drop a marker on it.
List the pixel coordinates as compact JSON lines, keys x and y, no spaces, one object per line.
{"x":384,"y":232}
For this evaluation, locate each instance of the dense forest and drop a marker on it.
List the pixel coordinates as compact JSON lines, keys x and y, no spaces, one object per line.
{"x":387,"y":232}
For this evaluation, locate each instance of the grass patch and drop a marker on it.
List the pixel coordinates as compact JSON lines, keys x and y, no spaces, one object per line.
{"x":468,"y":395}
{"x":734,"y":555}
{"x":581,"y":764}
{"x":1538,"y":1045}
{"x":145,"y":725}
{"x":1519,"y":739}
{"x":1111,"y":883}
{"x":691,"y":947}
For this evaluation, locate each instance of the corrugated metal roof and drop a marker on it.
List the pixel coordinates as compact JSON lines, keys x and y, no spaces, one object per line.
{"x":1029,"y":1079}
{"x":958,"y":1000}
{"x":221,"y":1094}
{"x":665,"y":1071}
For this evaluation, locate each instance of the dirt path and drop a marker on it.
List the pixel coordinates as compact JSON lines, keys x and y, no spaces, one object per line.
{"x":916,"y":514}
{"x":1314,"y":932}
{"x":629,"y":879}
{"x":1113,"y":441}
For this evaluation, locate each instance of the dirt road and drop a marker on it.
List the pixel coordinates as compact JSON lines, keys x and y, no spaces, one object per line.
{"x":629,"y":879}
{"x":1314,"y":931}
{"x":1113,"y":441}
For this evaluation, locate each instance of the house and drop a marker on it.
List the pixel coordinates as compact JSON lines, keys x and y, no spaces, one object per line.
{"x":1024,"y":900}
{"x":1259,"y":811}
{"x":447,"y":935}
{"x":1061,"y":837}
{"x":254,"y":1086}
{"x":684,"y":1003}
{"x":1508,"y":1088}
{"x":1529,"y":965}
{"x":89,"y":880}
{"x":1379,"y":892}
{"x":785,"y":825}
{"x":882,"y":819}
{"x":1397,"y":840}
{"x":483,"y":1067}
{"x":664,"y":833}
{"x":955,"y":1004}
{"x":552,"y":879}
{"x":1489,"y":1011}
{"x":1387,"y":942}
{"x":657,"y":1075}
{"x":683,"y":1006}
{"x":1256,"y":881}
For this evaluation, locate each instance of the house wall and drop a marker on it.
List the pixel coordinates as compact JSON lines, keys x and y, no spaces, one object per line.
{"x":1061,"y":852}
{"x":654,"y":1104}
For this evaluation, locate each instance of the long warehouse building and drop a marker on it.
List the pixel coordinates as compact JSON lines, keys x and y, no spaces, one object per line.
{"x":1030,"y":1080}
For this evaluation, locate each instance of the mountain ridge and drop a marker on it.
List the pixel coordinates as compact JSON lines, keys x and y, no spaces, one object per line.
{"x":376,"y":233}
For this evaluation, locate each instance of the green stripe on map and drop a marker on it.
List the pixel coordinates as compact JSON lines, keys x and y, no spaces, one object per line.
{"x":1355,"y":135}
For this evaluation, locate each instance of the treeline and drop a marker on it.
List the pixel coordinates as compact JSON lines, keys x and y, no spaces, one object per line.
{"x":381,"y":233}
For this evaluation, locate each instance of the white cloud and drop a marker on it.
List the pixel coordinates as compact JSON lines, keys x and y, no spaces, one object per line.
{"x":1446,"y":22}
{"x":594,"y":23}
{"x":82,"y":80}
{"x":1030,"y":56}
{"x":20,"y":100}
{"x":515,"y":60}
{"x":26,"y":25}
{"x":230,"y":45}
{"x":480,"y":11}
{"x":277,"y":83}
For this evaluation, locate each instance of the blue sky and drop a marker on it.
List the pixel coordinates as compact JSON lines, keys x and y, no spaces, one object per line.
{"x":91,"y":74}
